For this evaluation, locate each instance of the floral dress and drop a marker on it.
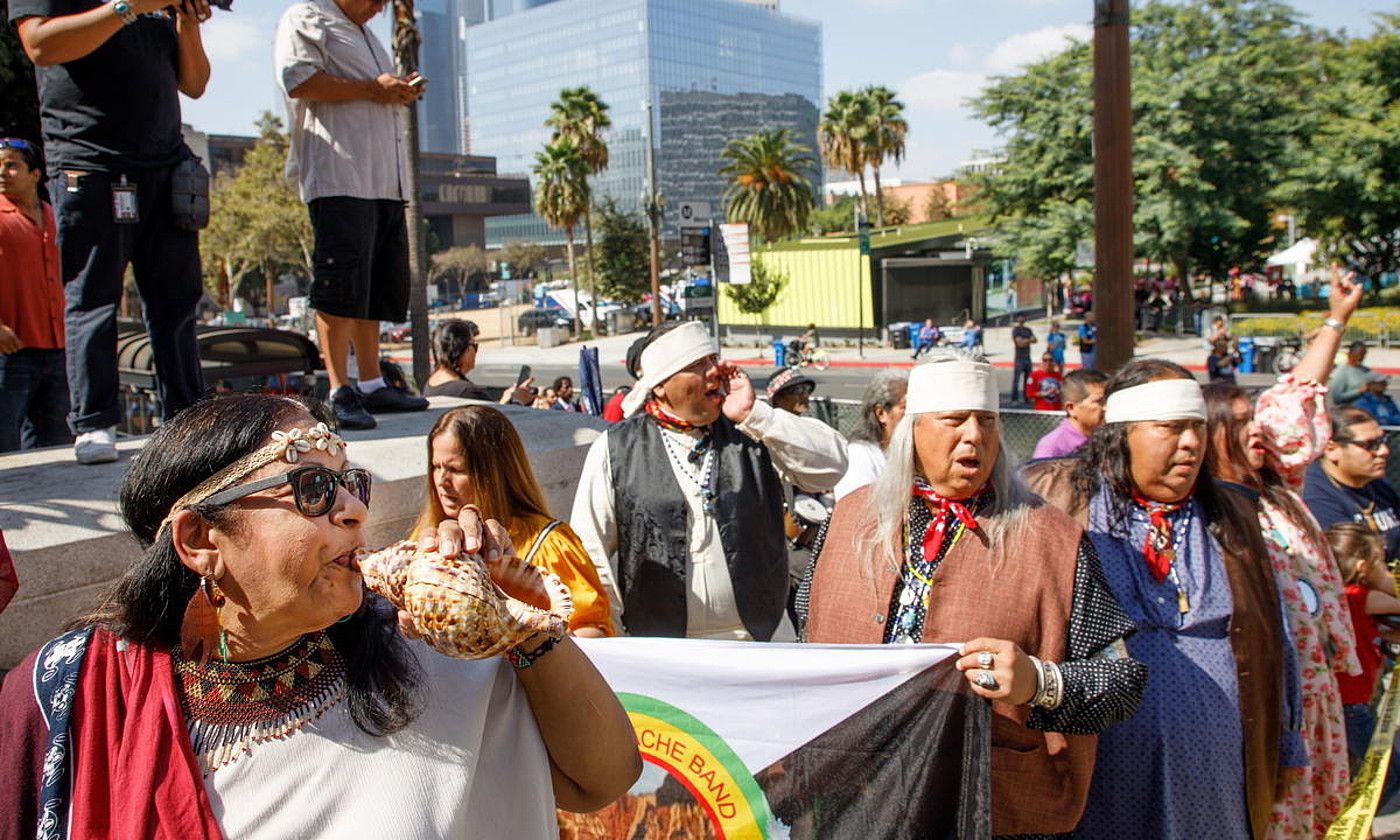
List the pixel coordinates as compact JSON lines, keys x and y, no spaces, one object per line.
{"x":1293,"y":421}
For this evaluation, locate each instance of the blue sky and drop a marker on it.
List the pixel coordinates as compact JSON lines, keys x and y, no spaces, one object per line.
{"x":936,"y":53}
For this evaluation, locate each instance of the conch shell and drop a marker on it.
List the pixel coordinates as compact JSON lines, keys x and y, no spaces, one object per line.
{"x":457,"y":608}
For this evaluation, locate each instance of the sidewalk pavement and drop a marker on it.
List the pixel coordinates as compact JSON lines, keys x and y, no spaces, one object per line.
{"x":1184,"y":350}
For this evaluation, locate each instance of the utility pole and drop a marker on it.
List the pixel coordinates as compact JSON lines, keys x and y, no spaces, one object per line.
{"x":651,"y":205}
{"x":1113,"y":185}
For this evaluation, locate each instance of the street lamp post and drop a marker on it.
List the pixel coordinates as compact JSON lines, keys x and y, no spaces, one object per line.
{"x":1113,"y":185}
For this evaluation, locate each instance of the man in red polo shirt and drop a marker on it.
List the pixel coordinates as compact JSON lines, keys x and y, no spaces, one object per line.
{"x":33,"y":381}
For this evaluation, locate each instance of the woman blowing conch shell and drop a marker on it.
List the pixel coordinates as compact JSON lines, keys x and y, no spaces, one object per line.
{"x":239,"y":664}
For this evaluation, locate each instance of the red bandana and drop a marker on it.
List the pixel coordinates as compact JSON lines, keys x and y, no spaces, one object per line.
{"x":1157,"y":549}
{"x":667,"y":420}
{"x":938,"y":529}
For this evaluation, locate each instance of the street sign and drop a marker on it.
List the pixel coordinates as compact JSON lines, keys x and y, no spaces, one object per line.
{"x":695,"y":245}
{"x":736,"y":243}
{"x":694,"y":213}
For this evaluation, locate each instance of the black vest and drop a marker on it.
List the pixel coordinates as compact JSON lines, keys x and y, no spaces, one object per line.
{"x":653,"y":541}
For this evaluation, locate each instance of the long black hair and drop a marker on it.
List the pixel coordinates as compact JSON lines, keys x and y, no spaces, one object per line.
{"x":146,"y":604}
{"x":1106,"y":459}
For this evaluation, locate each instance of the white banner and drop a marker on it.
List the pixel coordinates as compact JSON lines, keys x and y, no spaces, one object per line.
{"x":736,"y":242}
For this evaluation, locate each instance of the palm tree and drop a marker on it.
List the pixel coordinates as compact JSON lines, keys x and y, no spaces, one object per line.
{"x":844,"y":132}
{"x":561,"y":196}
{"x":767,"y":188}
{"x":581,"y":116}
{"x":886,"y":139}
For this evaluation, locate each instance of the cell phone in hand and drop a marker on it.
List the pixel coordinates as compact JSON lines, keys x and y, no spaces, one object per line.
{"x":416,"y":81}
{"x":524,"y":375}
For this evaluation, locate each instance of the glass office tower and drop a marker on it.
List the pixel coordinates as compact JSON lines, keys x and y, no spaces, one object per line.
{"x":714,"y":70}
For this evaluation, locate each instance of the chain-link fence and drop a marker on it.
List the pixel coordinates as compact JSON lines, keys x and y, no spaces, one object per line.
{"x":1020,"y":428}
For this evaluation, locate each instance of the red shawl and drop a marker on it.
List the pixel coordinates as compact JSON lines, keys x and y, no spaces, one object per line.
{"x":134,"y":772}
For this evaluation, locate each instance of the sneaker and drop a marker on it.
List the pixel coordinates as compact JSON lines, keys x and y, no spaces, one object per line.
{"x":349,"y":410}
{"x":99,"y":447}
{"x":390,"y":399}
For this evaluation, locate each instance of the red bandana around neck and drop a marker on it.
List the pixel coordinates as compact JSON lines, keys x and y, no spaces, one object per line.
{"x":1157,"y":548}
{"x":667,"y":420}
{"x":938,"y":528}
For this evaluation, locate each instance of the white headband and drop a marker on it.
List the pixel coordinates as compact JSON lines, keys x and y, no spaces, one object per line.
{"x":961,"y":385}
{"x":665,"y":357}
{"x":1164,"y":399}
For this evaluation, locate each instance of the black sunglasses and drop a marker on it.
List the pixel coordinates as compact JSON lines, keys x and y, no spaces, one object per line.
{"x":1373,"y":445}
{"x":313,"y":487}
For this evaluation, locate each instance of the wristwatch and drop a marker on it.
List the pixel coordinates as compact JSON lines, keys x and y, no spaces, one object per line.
{"x":124,"y":11}
{"x":1335,"y":324}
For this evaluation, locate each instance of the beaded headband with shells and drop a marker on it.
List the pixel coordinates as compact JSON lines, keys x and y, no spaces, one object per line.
{"x":283,"y":446}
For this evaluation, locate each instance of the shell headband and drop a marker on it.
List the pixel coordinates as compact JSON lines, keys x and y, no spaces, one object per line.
{"x":283,"y":446}
{"x":960,"y":385}
{"x":1164,"y":399}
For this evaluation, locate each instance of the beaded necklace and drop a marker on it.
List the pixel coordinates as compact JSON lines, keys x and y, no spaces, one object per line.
{"x":231,"y":706}
{"x":705,"y":484}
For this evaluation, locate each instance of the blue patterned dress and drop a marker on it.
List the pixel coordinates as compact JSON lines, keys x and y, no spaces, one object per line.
{"x":1175,"y":769}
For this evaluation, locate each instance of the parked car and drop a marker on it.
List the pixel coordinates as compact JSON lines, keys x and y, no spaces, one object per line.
{"x":641,"y":313}
{"x":395,"y":332}
{"x":532,"y":319}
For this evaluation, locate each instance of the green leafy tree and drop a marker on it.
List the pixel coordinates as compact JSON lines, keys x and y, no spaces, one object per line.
{"x":256,"y":219}
{"x":1042,"y":199}
{"x":1217,"y":110}
{"x":764,"y":289}
{"x":766,"y":186}
{"x":624,"y":259}
{"x":1345,"y":186}
{"x":580,"y":116}
{"x":888,"y":129}
{"x":524,"y":258}
{"x":836,"y":217}
{"x":19,"y":107}
{"x":844,"y":134}
{"x":458,"y":265}
{"x":562,"y":196}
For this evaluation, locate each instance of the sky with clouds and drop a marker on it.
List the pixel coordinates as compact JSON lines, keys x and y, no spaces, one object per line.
{"x":935,"y":53}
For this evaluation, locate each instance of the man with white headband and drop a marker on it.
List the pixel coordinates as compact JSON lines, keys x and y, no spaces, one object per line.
{"x":1186,"y":560}
{"x":949,"y":545}
{"x":681,"y":504}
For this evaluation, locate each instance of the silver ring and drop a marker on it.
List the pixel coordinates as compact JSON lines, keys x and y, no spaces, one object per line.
{"x":987,"y":681}
{"x":985,"y":660}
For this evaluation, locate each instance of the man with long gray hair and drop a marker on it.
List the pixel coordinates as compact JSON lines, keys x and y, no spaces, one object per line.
{"x":880,"y":412}
{"x":1185,"y":558}
{"x":948,"y":545}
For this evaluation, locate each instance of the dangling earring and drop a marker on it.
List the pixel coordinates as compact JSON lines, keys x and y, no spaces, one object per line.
{"x":201,"y":630}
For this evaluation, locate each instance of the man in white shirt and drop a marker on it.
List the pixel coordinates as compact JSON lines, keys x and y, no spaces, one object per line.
{"x":344,"y":103}
{"x":681,"y":505}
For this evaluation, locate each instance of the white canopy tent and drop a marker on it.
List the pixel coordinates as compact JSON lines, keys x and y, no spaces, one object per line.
{"x":1299,"y":255}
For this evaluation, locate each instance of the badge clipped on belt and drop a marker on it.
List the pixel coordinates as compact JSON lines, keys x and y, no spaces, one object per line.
{"x":124,"y":208}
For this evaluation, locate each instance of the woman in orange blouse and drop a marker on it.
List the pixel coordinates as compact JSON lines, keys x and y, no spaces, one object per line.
{"x":476,"y":458}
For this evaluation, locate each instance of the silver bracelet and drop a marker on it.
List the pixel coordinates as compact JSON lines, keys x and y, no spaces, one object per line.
{"x":1049,"y":685}
{"x":1339,"y":326}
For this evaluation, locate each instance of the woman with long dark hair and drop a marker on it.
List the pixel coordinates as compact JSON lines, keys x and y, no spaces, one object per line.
{"x":238,"y":681}
{"x":1184,"y":558}
{"x":476,"y":459}
{"x":1261,"y":450}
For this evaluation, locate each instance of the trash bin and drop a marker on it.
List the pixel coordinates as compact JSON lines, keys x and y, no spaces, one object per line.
{"x":779,"y":351}
{"x":551,"y":336}
{"x":1246,"y":355}
{"x":1265,"y":352}
{"x":899,"y":335}
{"x":619,"y":321}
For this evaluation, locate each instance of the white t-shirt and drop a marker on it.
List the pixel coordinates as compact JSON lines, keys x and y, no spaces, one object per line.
{"x":472,"y":765}
{"x":867,"y":461}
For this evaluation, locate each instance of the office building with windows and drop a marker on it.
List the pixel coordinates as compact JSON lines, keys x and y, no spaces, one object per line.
{"x":713,"y":70}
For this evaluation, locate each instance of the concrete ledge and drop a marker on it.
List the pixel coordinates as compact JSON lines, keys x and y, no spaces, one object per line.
{"x":61,"y":523}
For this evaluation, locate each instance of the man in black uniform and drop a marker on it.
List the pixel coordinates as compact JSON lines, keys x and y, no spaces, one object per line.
{"x":110,"y":74}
